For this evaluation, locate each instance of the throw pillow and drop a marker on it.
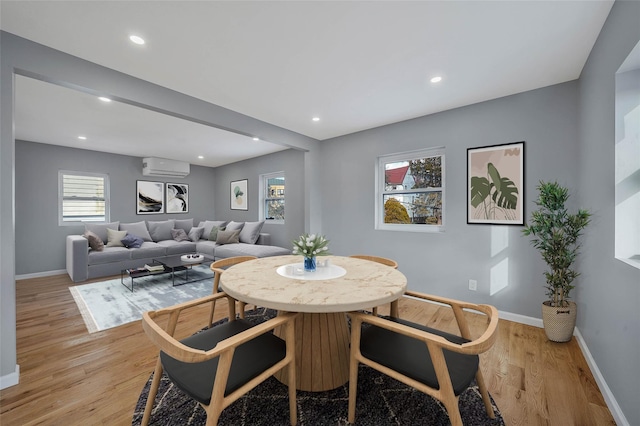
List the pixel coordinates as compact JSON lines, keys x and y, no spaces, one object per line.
{"x":161,"y":230}
{"x":213,"y":235}
{"x":228,"y":237}
{"x":232,"y":226}
{"x":185,"y":224}
{"x":100,"y":229}
{"x":114,"y":238}
{"x":179,"y":235}
{"x":208,"y":224}
{"x":132,"y":241}
{"x":195,"y":234}
{"x":250,"y":232}
{"x":137,"y":228}
{"x":94,"y":241}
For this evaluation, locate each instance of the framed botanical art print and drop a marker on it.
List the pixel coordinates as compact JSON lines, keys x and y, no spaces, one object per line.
{"x":177,"y":197}
{"x":150,"y":197}
{"x":239,"y":195}
{"x":495,"y":184}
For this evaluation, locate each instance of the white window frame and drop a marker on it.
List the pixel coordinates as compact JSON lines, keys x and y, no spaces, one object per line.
{"x":381,"y":190}
{"x":61,"y":174}
{"x":264,"y":197}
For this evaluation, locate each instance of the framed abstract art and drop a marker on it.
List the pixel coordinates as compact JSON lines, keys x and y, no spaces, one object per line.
{"x":149,"y":197}
{"x":239,"y":195}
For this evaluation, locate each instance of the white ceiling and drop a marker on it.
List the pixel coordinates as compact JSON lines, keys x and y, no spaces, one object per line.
{"x":355,"y":64}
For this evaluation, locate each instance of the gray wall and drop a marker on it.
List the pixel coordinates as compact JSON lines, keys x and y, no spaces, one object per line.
{"x":609,"y":294}
{"x":37,"y":167}
{"x":443,"y":263}
{"x":292,"y":163}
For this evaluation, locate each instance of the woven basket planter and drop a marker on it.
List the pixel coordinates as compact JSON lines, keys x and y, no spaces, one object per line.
{"x":559,"y":322}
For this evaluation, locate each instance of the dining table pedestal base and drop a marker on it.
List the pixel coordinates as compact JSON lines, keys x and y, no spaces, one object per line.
{"x":322,"y":352}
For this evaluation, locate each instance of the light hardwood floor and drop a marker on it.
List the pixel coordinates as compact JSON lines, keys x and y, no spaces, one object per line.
{"x":71,"y":377}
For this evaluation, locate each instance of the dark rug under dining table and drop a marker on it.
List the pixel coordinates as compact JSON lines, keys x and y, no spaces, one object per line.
{"x":381,"y":401}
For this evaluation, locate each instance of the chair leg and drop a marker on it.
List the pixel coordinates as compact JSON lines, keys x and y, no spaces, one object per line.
{"x":485,"y":395}
{"x":451,"y":404}
{"x":293,"y":408}
{"x":353,"y":389}
{"x":393,"y":310}
{"x":356,"y":330}
{"x":153,"y":391}
{"x":213,"y":308}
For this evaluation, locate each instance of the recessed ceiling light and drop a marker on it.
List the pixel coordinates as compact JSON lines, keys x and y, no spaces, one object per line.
{"x":201,"y":157}
{"x":316,"y":118}
{"x":256,"y":139}
{"x":82,"y":138}
{"x":436,"y":79}
{"x":104,"y":99}
{"x":136,"y":39}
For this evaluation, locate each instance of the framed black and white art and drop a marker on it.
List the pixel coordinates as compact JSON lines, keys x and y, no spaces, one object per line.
{"x":149,"y":197}
{"x":177,"y":198}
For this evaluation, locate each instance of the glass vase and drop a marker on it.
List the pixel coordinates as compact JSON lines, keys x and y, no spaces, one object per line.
{"x":310,"y":264}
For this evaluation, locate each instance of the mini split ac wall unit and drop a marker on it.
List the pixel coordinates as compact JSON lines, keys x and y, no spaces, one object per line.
{"x":152,"y":166}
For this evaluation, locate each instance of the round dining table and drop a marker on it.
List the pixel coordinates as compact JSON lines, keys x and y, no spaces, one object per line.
{"x":339,"y":285}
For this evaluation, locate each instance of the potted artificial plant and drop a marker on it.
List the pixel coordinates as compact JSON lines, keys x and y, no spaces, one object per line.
{"x":556,"y":235}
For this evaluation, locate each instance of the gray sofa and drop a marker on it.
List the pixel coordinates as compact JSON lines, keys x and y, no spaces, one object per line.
{"x":100,"y":251}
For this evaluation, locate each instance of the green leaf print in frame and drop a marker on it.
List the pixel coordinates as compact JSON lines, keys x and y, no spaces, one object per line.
{"x":495,"y":184}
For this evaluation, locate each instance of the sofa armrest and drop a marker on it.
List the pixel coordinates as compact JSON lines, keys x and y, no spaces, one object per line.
{"x":77,"y":257}
{"x":264,"y":239}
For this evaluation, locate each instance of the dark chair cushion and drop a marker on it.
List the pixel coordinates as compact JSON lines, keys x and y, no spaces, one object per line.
{"x":411,"y":358}
{"x":249,"y":360}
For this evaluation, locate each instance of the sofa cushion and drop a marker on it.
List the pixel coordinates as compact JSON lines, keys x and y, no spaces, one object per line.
{"x":178,"y":247}
{"x":148,"y":250}
{"x":228,"y":237}
{"x":208,"y":224}
{"x":242,"y":249}
{"x":137,"y":228}
{"x":179,"y":235}
{"x":94,"y":241}
{"x":132,"y":241}
{"x":184,"y":224}
{"x":100,"y":229}
{"x":232,"y":226}
{"x":206,"y":247}
{"x":114,"y":238}
{"x":161,"y":230}
{"x":213,"y":235}
{"x":250,"y":232}
{"x":109,"y":255}
{"x":195,"y":234}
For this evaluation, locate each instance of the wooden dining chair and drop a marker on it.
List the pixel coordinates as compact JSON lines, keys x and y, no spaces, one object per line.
{"x":432,"y":361}
{"x":217,"y":366}
{"x":218,"y":268}
{"x":383,"y":260}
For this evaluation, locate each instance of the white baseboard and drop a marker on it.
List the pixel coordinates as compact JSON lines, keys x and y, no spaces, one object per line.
{"x":609,"y":399}
{"x":10,"y":379}
{"x":40,"y":274}
{"x":521,"y":319}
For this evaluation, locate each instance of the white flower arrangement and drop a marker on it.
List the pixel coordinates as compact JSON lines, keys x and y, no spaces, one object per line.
{"x":311,"y":245}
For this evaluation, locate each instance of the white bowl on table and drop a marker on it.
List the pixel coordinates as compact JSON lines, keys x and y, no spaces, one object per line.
{"x":191,"y":258}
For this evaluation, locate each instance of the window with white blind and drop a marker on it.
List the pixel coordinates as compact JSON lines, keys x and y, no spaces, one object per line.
{"x":82,"y":197}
